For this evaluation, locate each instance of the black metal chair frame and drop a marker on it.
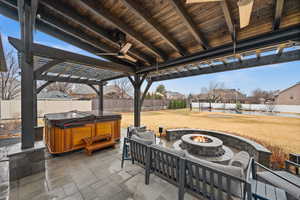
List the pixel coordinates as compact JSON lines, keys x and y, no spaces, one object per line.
{"x":162,"y":164}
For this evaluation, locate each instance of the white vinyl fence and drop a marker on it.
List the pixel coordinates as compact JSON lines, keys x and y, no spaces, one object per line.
{"x":12,"y":109}
{"x":251,"y":107}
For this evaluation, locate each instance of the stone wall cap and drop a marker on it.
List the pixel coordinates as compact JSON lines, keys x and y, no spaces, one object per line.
{"x":16,"y":148}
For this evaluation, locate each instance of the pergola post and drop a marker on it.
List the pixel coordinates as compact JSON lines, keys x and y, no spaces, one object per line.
{"x":138,"y":101}
{"x":100,"y":99}
{"x":27,"y":78}
{"x":137,"y":98}
{"x":34,"y":98}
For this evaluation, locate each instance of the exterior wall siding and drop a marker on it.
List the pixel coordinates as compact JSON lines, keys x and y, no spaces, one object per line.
{"x":290,"y":96}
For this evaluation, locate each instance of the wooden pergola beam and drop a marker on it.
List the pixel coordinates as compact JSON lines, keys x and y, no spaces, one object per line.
{"x":67,"y":79}
{"x":46,"y":67}
{"x":9,"y":8}
{"x":278,"y":13}
{"x":250,"y":44}
{"x":39,"y":89}
{"x":54,"y":53}
{"x":188,"y":22}
{"x":101,"y":32}
{"x":253,"y":62}
{"x":145,"y":15}
{"x":228,"y":19}
{"x":107,"y":16}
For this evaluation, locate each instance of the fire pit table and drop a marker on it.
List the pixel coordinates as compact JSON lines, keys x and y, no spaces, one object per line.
{"x":204,"y":147}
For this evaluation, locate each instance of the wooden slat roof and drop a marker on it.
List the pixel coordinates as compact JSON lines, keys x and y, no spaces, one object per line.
{"x":160,"y":30}
{"x":73,"y":70}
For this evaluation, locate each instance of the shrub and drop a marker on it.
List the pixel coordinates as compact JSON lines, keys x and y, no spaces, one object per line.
{"x":177,"y":104}
{"x":238,"y":106}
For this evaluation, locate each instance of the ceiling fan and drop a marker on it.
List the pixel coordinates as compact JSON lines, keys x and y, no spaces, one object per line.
{"x":122,"y":53}
{"x":245,"y":9}
{"x":124,"y":47}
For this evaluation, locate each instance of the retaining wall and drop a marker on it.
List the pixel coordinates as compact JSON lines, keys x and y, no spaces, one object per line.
{"x":259,"y":152}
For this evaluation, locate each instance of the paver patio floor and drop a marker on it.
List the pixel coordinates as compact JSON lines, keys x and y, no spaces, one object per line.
{"x":100,"y":176}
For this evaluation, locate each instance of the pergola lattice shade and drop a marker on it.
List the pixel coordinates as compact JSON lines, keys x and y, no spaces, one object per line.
{"x":74,"y":70}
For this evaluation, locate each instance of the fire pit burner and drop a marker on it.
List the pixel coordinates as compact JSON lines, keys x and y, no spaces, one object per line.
{"x":201,"y":139}
{"x":202,"y":145}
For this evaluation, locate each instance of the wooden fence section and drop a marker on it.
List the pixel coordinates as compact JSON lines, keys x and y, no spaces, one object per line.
{"x":11,"y":109}
{"x":126,"y":105}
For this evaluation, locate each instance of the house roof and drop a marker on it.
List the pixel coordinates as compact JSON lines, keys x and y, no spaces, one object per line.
{"x":53,"y":95}
{"x":171,"y":94}
{"x":82,"y":89}
{"x":288,"y":88}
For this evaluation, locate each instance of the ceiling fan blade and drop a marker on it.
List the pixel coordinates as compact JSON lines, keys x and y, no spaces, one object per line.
{"x":125,"y":48}
{"x":245,"y":9}
{"x":107,"y":54}
{"x":128,"y":58}
{"x":201,"y":1}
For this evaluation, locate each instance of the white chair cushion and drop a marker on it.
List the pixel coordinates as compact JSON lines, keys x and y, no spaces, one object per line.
{"x":168,"y":150}
{"x":142,"y":140}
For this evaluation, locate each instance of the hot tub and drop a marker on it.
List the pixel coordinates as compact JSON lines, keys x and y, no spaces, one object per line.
{"x":65,"y":132}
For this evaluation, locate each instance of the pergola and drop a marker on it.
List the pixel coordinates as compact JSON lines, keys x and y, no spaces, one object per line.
{"x":170,"y":39}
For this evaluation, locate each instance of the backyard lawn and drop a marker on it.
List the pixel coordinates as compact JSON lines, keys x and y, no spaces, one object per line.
{"x":283,"y":132}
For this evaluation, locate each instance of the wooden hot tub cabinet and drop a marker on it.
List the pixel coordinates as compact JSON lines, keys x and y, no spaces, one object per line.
{"x":65,"y":132}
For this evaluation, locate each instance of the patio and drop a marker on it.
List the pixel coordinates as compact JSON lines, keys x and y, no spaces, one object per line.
{"x":76,"y":176}
{"x":168,"y":42}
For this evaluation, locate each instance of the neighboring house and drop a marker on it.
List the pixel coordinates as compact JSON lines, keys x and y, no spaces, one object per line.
{"x":174,"y":95}
{"x":230,"y":95}
{"x":289,"y":96}
{"x":53,"y":95}
{"x":86,"y":92}
{"x":115,"y":92}
{"x":222,"y":96}
{"x":82,"y":91}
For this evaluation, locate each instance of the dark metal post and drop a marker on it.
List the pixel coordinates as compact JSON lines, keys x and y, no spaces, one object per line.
{"x":35,"y":114}
{"x":137,"y":97}
{"x":100,"y":98}
{"x":27,"y":78}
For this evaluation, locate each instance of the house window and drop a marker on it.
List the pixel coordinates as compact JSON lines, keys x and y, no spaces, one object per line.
{"x":291,"y":97}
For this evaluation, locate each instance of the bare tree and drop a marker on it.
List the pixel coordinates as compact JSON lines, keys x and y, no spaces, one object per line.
{"x":270,"y":106}
{"x":124,"y":85}
{"x":10,"y":80}
{"x":60,"y":86}
{"x":211,"y":92}
{"x":259,"y":95}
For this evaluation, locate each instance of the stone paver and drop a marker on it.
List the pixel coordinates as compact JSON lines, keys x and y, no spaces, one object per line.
{"x":75,"y":176}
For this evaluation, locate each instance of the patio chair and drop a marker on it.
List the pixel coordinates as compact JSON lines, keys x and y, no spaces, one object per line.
{"x":139,"y":134}
{"x":165,"y":163}
{"x":138,"y":151}
{"x":210,"y":180}
{"x":284,"y":180}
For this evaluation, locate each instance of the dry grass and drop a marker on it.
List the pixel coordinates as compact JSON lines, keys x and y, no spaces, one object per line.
{"x":280,"y":134}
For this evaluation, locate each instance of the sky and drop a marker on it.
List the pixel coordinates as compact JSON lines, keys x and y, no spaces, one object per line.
{"x":271,"y":77}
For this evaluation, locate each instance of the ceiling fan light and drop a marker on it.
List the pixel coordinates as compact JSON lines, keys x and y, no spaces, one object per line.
{"x":245,"y":8}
